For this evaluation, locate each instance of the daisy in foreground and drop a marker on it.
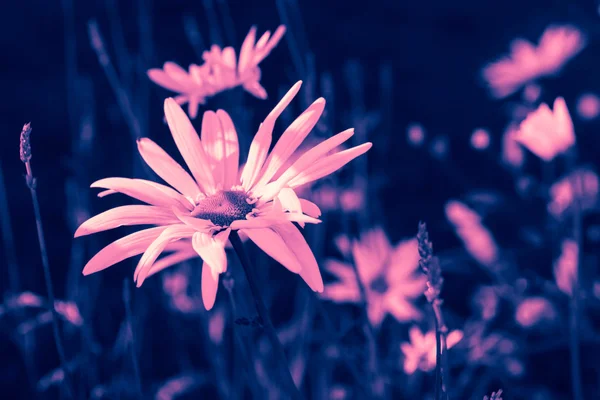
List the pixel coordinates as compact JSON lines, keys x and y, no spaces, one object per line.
{"x":196,"y":216}
{"x":390,"y":276}
{"x":220,"y":71}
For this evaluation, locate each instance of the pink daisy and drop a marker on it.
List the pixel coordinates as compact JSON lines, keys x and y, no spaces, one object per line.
{"x":221,"y":71}
{"x":195,"y":215}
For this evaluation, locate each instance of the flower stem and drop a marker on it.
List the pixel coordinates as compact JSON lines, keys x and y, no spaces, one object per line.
{"x":31,"y":184}
{"x":264,"y":314}
{"x":574,"y":309}
{"x":128,"y":317}
{"x":441,"y":359}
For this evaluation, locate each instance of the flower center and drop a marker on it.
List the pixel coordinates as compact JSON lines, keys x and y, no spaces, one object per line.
{"x":379,"y":285}
{"x":223,"y":207}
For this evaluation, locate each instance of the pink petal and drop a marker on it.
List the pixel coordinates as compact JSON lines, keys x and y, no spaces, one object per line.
{"x":262,"y":141}
{"x":297,"y":244}
{"x":261,"y":53}
{"x":246,"y":50}
{"x":341,"y":293}
{"x":309,"y":208}
{"x":329,"y":164}
{"x":210,"y":284}
{"x":289,"y":141}
{"x":128,"y":246}
{"x":255,"y":89}
{"x":212,"y":250}
{"x":232,"y":150}
{"x":189,"y":146}
{"x":161,"y":78}
{"x":146,"y":191}
{"x":169,"y":235}
{"x":214,"y":146}
{"x":271,"y":243}
{"x":172,"y":259}
{"x":167,"y":168}
{"x":289,"y":200}
{"x":125,"y":216}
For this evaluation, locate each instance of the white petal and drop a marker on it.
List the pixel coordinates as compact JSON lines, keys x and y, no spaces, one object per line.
{"x":167,"y":168}
{"x":189,"y":145}
{"x":309,"y":208}
{"x":146,"y":191}
{"x":328,"y":165}
{"x":212,"y":250}
{"x":271,"y":243}
{"x":297,"y":244}
{"x":175,"y":71}
{"x":201,"y":225}
{"x":169,"y":235}
{"x":214,"y":145}
{"x":262,"y":141}
{"x":289,"y":201}
{"x":262,"y":41}
{"x":210,"y":284}
{"x":128,"y":246}
{"x":293,"y":136}
{"x":125,"y":216}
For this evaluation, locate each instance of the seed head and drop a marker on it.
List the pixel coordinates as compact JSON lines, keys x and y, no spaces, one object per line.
{"x":25,"y":145}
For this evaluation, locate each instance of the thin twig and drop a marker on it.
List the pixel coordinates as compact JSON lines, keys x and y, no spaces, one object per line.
{"x":289,"y":384}
{"x":25,"y":153}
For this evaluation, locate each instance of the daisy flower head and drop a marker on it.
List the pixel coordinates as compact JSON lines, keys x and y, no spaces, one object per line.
{"x":390,"y":276}
{"x":420,"y":352}
{"x":528,"y":62}
{"x":220,"y":71}
{"x":548,"y":133}
{"x":196,"y":213}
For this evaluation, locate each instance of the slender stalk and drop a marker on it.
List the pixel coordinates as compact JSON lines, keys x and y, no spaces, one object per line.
{"x":373,"y":364}
{"x":288,"y":382}
{"x":128,"y":315}
{"x":574,"y":305}
{"x":25,"y":153}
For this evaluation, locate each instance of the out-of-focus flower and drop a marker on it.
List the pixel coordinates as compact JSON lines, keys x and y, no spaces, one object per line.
{"x":491,"y":350}
{"x":69,"y":311}
{"x":477,"y":239}
{"x":534,"y":310}
{"x":546,"y":132}
{"x":415,"y":133}
{"x":439,"y":147}
{"x":527,"y":62}
{"x":512,"y":152}
{"x":532,"y":93}
{"x":390,"y":275}
{"x":588,"y":106}
{"x":562,"y":195}
{"x":486,"y":301}
{"x":220,"y":71}
{"x":494,"y":396}
{"x":420,"y":352}
{"x":565,"y":266}
{"x":216,"y":326}
{"x":196,"y":217}
{"x":480,"y":139}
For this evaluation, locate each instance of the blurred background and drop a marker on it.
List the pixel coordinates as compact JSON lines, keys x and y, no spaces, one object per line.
{"x":408,"y":76}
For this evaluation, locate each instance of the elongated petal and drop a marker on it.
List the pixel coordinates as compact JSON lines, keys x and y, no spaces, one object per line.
{"x":189,"y":146}
{"x":210,"y":284}
{"x":246,"y":50}
{"x":309,"y":208}
{"x":128,"y":246}
{"x":291,"y":139}
{"x":253,"y":223}
{"x":228,"y":59}
{"x":167,"y":168}
{"x":214,"y":146}
{"x":170,"y":234}
{"x":127,"y":215}
{"x":175,"y":71}
{"x":212,"y":250}
{"x":201,"y":225}
{"x":146,"y":191}
{"x":289,"y":200}
{"x":262,"y":141}
{"x":271,"y":243}
{"x":297,"y":244}
{"x":163,"y":79}
{"x":329,"y":164}
{"x":172,"y":259}
{"x":260,"y":43}
{"x":232,"y":150}
{"x":264,"y":51}
{"x":341,"y":271}
{"x":255,"y":89}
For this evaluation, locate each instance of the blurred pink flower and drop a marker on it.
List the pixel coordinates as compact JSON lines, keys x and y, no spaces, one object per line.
{"x":512,"y":152}
{"x":486,"y":302}
{"x":477,"y":239}
{"x":491,"y":350}
{"x":220,"y":71}
{"x":415,"y":133}
{"x":216,"y":326}
{"x":534,"y":310}
{"x":561,"y":192}
{"x":588,"y":106}
{"x":390,"y":275}
{"x":527,"y":62}
{"x":546,"y":132}
{"x":565,"y":266}
{"x":480,"y":139}
{"x":203,"y":209}
{"x":420,"y":352}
